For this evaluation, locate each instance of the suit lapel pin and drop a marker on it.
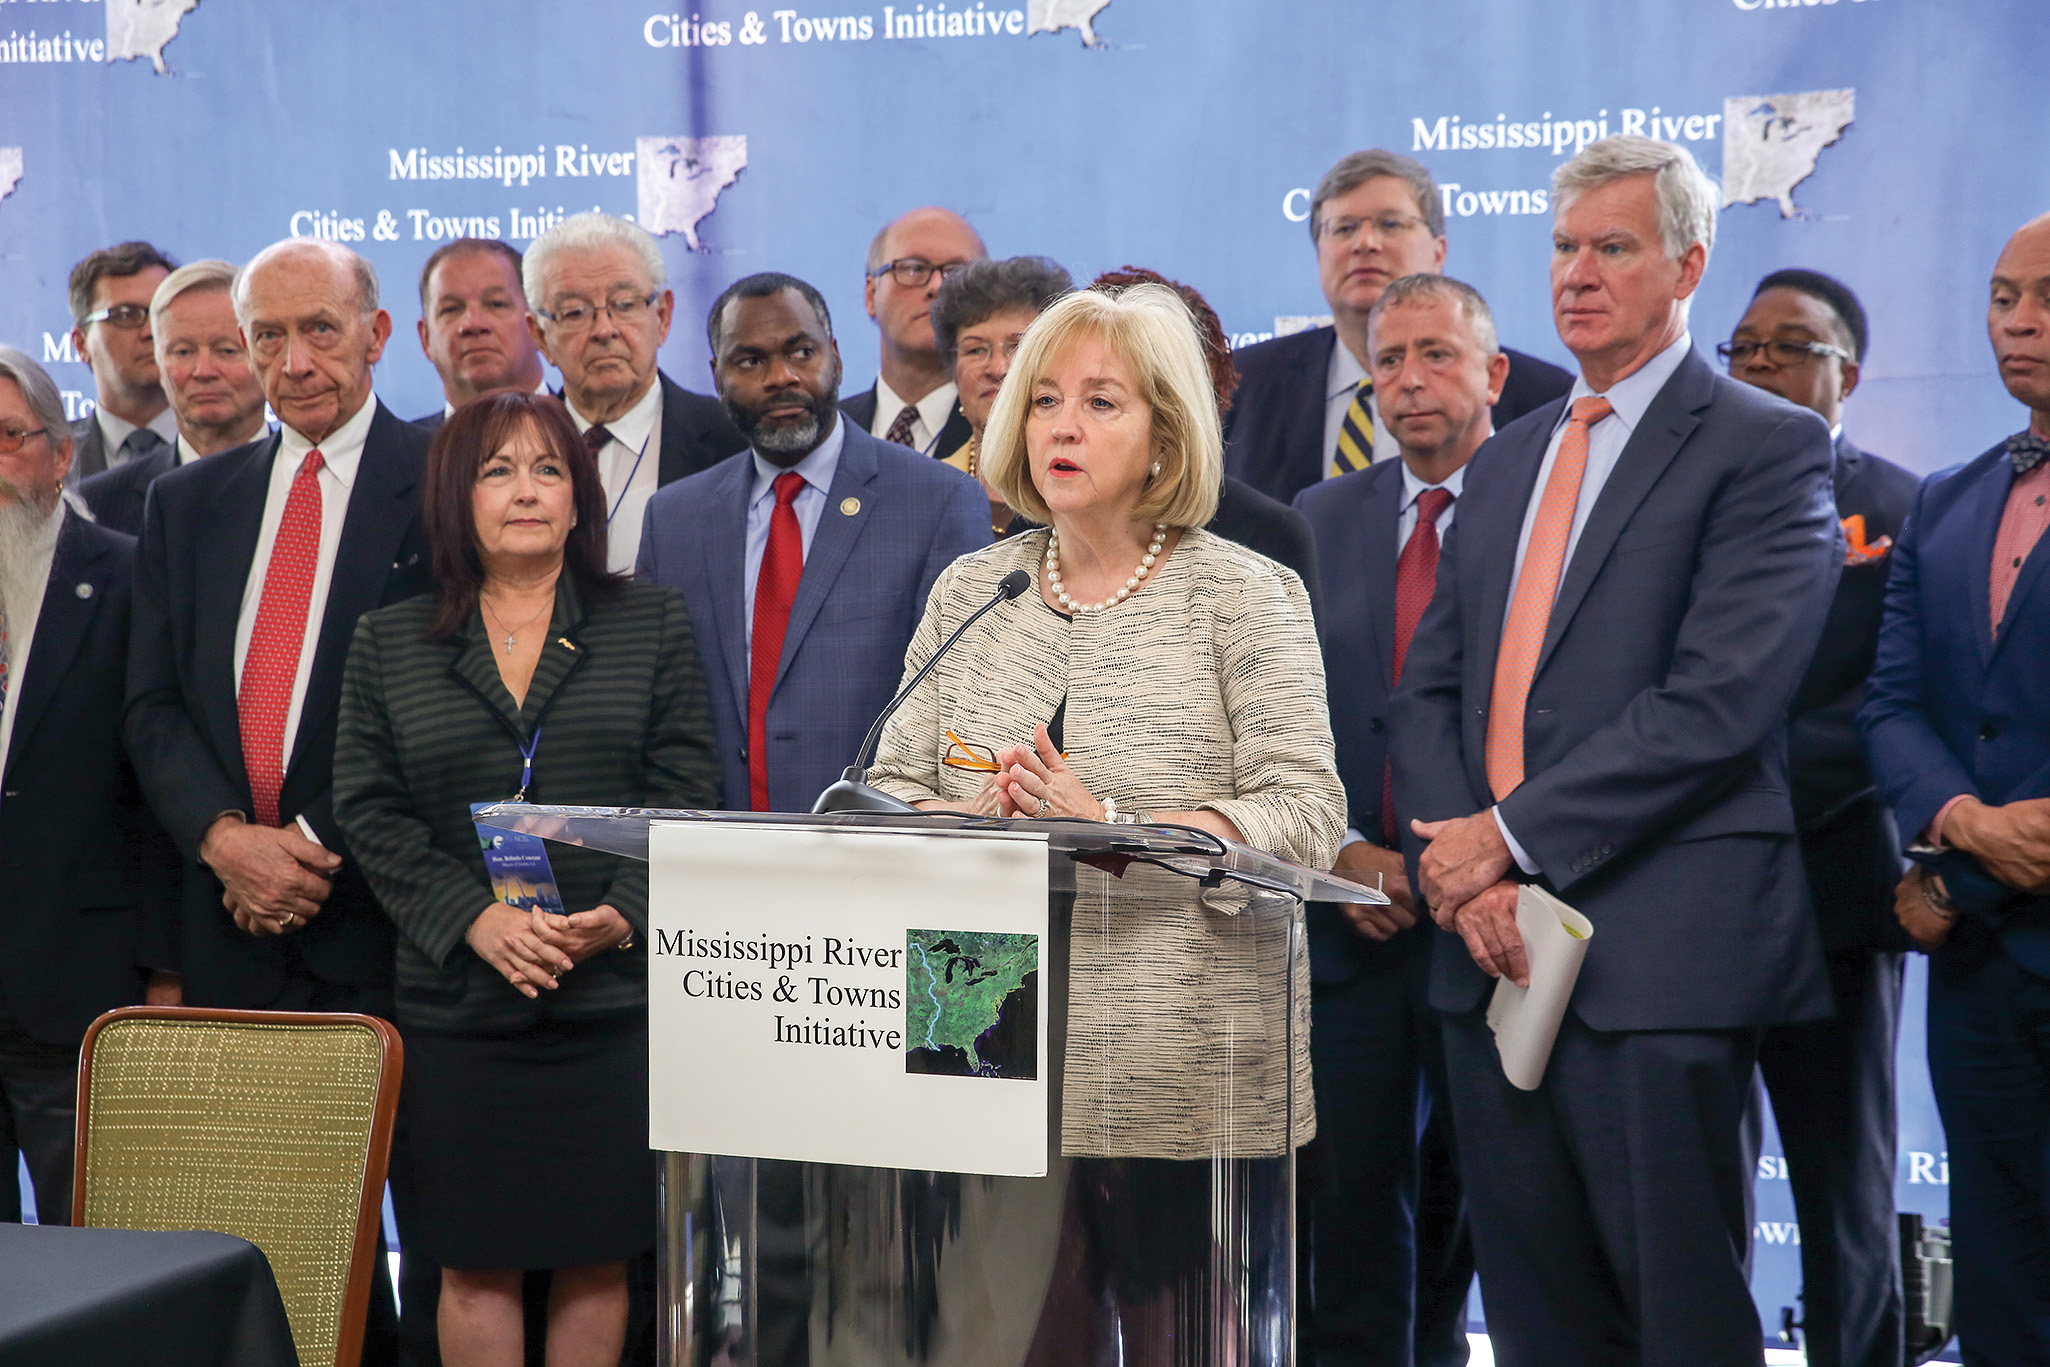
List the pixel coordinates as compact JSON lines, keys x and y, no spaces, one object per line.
{"x":850,"y":506}
{"x":84,"y":590}
{"x":565,"y":643}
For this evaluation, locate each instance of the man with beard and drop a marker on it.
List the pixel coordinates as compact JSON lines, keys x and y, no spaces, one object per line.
{"x":74,"y":833}
{"x":805,"y":559}
{"x":215,"y":395}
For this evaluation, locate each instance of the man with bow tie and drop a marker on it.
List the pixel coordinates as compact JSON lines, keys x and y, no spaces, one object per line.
{"x":1957,"y":724}
{"x":1803,"y":338}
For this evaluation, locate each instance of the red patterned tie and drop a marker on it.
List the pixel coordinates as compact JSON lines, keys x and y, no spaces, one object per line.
{"x":1416,"y":575}
{"x":272,"y":664}
{"x":775,"y":590}
{"x":900,"y":430}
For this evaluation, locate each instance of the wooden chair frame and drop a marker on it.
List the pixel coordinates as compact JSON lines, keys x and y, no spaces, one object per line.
{"x":369,"y":1207}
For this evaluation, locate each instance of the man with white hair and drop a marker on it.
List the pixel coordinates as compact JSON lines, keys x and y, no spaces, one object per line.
{"x":600,"y":304}
{"x":214,"y":393}
{"x":252,"y":570}
{"x":1595,"y":702}
{"x":91,"y":880}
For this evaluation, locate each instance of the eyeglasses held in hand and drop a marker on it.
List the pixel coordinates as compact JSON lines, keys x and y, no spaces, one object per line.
{"x":578,"y":315}
{"x":1779,"y":352}
{"x":128,"y":316}
{"x":911,"y":271}
{"x":980,"y":759}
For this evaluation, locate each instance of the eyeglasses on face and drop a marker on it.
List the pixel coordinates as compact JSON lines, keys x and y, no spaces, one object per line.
{"x":579,"y":315}
{"x":1779,"y":351}
{"x":912,"y":272}
{"x":12,"y":439}
{"x":1344,"y":230}
{"x":130,"y":316}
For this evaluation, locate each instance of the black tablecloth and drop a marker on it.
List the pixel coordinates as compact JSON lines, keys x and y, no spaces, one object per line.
{"x":186,"y":1298}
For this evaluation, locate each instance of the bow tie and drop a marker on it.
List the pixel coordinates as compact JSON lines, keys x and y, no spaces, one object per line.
{"x":2027,"y":451}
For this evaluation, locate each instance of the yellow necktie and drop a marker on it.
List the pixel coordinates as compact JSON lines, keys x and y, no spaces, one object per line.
{"x":1355,"y":434}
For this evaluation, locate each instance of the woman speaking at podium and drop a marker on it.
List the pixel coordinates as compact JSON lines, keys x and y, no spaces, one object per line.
{"x":533,"y":675}
{"x":1160,"y":675}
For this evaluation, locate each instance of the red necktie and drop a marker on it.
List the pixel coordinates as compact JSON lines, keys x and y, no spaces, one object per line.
{"x":272,"y":665}
{"x":775,"y":590}
{"x":1416,"y":575}
{"x":1537,"y":587}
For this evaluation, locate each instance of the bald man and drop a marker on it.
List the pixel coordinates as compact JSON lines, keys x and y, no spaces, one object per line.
{"x":913,"y":401}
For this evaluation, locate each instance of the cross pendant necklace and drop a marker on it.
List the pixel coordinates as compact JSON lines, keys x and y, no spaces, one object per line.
{"x":512,"y":633}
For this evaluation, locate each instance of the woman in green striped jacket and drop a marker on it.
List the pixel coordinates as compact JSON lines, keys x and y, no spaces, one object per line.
{"x":522,"y":992}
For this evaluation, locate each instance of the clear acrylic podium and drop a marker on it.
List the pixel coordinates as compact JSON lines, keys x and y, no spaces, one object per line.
{"x":1164,"y":1231}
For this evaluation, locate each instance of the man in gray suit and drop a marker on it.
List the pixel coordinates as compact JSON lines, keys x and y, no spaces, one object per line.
{"x":1596,"y":701}
{"x":110,"y":298}
{"x":805,"y":559}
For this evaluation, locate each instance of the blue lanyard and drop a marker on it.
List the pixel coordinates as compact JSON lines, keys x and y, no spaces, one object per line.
{"x":527,"y":765}
{"x":629,"y":482}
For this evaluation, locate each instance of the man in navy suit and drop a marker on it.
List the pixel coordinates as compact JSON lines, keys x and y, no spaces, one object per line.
{"x":805,"y":559}
{"x":1955,"y":725}
{"x":1596,"y":699}
{"x":473,"y":323}
{"x":914,"y":400}
{"x":1386,"y":1233}
{"x":1305,"y":404}
{"x":92,"y":881}
{"x":214,"y":393}
{"x":1831,"y":1081}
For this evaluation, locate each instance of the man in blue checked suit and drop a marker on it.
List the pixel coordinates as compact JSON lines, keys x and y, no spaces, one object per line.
{"x":806,"y":558}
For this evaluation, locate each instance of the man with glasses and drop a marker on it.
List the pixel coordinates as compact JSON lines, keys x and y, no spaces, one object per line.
{"x":92,"y":882}
{"x":110,"y":296}
{"x":1305,"y":406}
{"x":913,"y":401}
{"x":1832,"y":1081}
{"x":600,"y":306}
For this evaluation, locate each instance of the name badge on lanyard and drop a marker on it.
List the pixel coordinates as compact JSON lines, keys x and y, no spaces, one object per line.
{"x":517,"y":863}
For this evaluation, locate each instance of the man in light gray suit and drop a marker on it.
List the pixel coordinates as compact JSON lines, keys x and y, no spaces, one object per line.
{"x":110,"y":298}
{"x":805,"y":559}
{"x":1595,"y":701}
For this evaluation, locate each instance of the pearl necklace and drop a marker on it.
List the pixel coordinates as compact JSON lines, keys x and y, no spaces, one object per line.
{"x":1131,"y":586}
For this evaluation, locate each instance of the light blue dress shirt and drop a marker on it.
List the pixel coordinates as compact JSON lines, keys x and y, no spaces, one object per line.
{"x":1629,"y":397}
{"x":818,"y":470}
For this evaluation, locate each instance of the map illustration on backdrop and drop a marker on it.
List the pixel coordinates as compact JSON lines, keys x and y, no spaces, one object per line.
{"x":680,"y":180}
{"x":971,"y":1003}
{"x":1770,"y":143}
{"x":142,"y":28}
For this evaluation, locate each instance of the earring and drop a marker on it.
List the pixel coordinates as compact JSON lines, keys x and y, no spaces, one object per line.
{"x":1154,"y":473}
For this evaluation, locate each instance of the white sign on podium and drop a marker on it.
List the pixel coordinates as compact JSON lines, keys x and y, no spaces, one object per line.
{"x":849,"y":996}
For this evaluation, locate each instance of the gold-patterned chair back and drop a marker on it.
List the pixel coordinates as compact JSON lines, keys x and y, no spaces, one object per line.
{"x":271,"y":1126}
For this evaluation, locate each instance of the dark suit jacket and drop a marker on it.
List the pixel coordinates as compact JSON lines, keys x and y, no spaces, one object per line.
{"x":92,"y":881}
{"x":432,"y":422}
{"x":1353,"y":519}
{"x":862,"y":408}
{"x":116,"y":495}
{"x":1847,"y":835}
{"x":1954,"y":707}
{"x":1274,"y":434}
{"x":88,"y":449}
{"x":198,"y":543}
{"x":1274,"y":529}
{"x":860,"y":598}
{"x":427,"y":728}
{"x":1655,"y":796}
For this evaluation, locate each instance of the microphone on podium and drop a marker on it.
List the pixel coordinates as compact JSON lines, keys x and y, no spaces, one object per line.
{"x":849,"y":793}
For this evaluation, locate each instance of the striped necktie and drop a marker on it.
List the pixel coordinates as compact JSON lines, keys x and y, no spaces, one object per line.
{"x":1537,"y":586}
{"x":1355,"y":450}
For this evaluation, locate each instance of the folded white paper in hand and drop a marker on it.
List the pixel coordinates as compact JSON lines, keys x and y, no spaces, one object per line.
{"x":1526,"y":1019}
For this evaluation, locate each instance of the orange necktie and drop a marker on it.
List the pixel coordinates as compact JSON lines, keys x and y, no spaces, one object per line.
{"x":1537,"y":585}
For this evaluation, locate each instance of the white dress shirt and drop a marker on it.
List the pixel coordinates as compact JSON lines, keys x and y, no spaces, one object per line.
{"x":1341,"y":378}
{"x":630,"y":468}
{"x":933,"y":411}
{"x":818,"y":470}
{"x":114,"y":430}
{"x":341,"y":455}
{"x":21,"y":626}
{"x":1629,"y":397}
